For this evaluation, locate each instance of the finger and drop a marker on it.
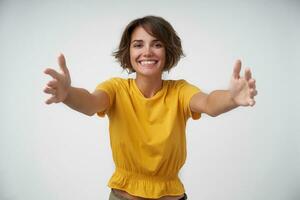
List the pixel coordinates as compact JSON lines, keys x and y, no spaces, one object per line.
{"x":54,"y":74}
{"x":62,"y":63}
{"x":252,"y":83}
{"x":253,"y":93}
{"x":51,"y":100}
{"x":52,"y":83}
{"x":248,"y":74}
{"x":237,"y":69}
{"x":50,"y":91}
{"x":251,"y":102}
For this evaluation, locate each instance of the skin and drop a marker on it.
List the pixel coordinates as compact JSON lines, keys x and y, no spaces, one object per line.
{"x":78,"y":99}
{"x":145,"y":47}
{"x":241,"y":92}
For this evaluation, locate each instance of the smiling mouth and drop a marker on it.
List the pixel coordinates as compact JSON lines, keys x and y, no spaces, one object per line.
{"x":148,"y":62}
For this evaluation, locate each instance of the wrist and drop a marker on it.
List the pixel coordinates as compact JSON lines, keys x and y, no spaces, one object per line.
{"x":67,"y":94}
{"x":233,"y":101}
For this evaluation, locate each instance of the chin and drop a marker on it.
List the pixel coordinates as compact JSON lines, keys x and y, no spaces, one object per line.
{"x":148,"y":72}
{"x":153,"y":70}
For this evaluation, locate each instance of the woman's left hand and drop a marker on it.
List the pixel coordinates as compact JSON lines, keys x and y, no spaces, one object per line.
{"x":242,"y":89}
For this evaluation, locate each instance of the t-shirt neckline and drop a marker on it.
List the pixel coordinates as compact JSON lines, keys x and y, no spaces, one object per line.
{"x":141,"y":95}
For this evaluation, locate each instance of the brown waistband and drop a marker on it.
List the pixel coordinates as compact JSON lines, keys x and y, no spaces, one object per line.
{"x":123,"y":195}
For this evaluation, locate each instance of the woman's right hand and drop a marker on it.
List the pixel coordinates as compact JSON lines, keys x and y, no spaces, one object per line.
{"x":60,"y":84}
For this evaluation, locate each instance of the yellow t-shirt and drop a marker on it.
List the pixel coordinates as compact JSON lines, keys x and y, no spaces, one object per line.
{"x":147,"y":136}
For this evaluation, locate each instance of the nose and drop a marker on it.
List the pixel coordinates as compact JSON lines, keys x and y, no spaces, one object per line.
{"x":148,"y":51}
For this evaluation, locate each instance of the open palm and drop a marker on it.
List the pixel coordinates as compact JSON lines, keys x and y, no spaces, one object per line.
{"x":242,"y":89}
{"x":58,"y":87}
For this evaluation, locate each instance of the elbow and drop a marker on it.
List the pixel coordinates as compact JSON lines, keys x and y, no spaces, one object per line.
{"x":213,"y":114}
{"x":89,"y":113}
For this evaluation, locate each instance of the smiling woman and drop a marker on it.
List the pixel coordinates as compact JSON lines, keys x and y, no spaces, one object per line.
{"x":148,"y":115}
{"x":147,"y":54}
{"x":157,"y":28}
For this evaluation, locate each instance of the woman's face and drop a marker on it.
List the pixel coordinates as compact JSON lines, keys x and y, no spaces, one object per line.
{"x":147,"y":53}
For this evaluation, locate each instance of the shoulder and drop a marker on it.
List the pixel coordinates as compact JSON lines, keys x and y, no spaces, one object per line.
{"x":177,"y":84}
{"x":117,"y":81}
{"x":182,"y":86}
{"x":113,"y":83}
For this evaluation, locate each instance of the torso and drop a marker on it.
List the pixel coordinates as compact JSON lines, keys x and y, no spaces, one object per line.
{"x":148,"y":137}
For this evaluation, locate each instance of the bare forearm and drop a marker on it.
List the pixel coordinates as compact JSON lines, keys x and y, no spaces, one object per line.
{"x":80,"y":100}
{"x":219,"y":101}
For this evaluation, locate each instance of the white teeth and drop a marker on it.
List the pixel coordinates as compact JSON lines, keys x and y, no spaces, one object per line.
{"x":148,"y":62}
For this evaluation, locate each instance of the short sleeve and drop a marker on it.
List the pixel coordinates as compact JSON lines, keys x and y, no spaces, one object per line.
{"x":109,"y":87}
{"x":186,"y":91}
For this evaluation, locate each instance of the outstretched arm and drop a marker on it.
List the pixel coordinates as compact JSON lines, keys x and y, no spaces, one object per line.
{"x":241,"y":92}
{"x":78,"y":99}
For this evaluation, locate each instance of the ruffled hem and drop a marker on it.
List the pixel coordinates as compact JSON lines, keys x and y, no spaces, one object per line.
{"x":146,"y":186}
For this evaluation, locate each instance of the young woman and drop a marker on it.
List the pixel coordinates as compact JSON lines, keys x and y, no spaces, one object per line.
{"x":148,"y":115}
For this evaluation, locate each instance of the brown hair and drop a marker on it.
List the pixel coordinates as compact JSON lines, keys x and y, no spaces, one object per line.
{"x":157,"y":27}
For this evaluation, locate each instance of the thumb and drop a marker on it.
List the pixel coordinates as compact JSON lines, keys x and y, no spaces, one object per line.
{"x":237,"y":69}
{"x":62,"y":64}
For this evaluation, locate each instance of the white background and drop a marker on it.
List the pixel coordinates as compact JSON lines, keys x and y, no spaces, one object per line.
{"x":54,"y":153}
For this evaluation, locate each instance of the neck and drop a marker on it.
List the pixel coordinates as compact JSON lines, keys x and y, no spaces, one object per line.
{"x":149,"y":86}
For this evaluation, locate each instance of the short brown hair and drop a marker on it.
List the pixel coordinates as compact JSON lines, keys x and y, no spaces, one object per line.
{"x":157,"y":27}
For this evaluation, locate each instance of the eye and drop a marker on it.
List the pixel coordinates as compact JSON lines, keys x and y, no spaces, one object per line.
{"x":158,"y":45}
{"x":137,"y":45}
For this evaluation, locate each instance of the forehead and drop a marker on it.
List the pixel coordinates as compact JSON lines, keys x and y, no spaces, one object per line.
{"x":139,"y":33}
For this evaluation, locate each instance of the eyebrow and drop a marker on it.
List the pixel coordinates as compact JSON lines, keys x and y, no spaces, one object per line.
{"x":143,"y":41}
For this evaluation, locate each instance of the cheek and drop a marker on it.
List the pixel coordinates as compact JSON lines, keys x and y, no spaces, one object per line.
{"x":163,"y":56}
{"x":132,"y":55}
{"x":133,"y":58}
